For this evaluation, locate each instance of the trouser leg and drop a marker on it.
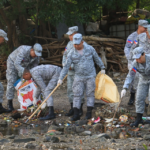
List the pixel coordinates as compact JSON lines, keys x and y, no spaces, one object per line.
{"x":70,"y":79}
{"x":11,"y":76}
{"x":141,"y":95}
{"x":90,"y":89}
{"x":78,"y":89}
{"x":51,"y":85}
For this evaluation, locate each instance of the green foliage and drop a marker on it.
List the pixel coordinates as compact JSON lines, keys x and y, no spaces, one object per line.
{"x":4,"y":50}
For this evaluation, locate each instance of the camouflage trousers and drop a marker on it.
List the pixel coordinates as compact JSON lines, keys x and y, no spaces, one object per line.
{"x":143,"y":91}
{"x":70,"y":79}
{"x":11,"y":76}
{"x":81,"y":85}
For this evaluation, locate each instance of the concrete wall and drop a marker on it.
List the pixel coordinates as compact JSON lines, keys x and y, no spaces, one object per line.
{"x":123,"y":30}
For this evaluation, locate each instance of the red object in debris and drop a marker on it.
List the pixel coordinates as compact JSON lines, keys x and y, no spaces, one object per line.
{"x":29,"y":95}
{"x":97,"y":120}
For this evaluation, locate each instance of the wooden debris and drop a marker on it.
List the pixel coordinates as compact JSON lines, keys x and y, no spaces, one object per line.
{"x":111,"y":50}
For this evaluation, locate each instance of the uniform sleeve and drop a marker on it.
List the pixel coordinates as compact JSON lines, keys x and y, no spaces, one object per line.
{"x":97,"y":59}
{"x":128,"y":45}
{"x":66,"y":67}
{"x":18,"y":61}
{"x":130,"y":77}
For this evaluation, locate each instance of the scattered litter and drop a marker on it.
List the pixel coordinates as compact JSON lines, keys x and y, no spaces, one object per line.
{"x":108,"y":120}
{"x":117,"y":125}
{"x":146,"y":118}
{"x":67,"y":124}
{"x":59,"y":115}
{"x":92,"y":119}
{"x":60,"y":124}
{"x":97,"y":120}
{"x":123,"y":118}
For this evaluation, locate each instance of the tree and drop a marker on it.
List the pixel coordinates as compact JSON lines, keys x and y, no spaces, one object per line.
{"x":48,"y":13}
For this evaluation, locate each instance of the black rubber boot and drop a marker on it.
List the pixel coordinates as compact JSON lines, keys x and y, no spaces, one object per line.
{"x":51,"y":114}
{"x":132,"y":99}
{"x":89,"y":113}
{"x":81,"y":110}
{"x":137,"y":121}
{"x":71,"y":111}
{"x":76,"y":115}
{"x":3,"y":110}
{"x":10,"y":105}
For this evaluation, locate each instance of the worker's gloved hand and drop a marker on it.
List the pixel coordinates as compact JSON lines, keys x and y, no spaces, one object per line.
{"x":102,"y":71}
{"x":34,"y":101}
{"x":43,"y":106}
{"x":123,"y":93}
{"x":59,"y":82}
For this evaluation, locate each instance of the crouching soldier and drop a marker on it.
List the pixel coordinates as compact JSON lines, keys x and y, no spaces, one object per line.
{"x":82,"y":56}
{"x":141,"y":64}
{"x":3,"y":38}
{"x":19,"y":59}
{"x":46,"y":77}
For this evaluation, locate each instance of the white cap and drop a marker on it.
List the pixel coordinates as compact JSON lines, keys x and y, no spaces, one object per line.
{"x":37,"y":49}
{"x":3,"y":34}
{"x":77,"y":38}
{"x":137,"y":52}
{"x":143,"y":23}
{"x":71,"y":30}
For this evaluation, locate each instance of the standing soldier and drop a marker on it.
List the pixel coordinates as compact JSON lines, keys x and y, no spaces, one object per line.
{"x":141,"y":64}
{"x":142,"y":25}
{"x":82,"y":56}
{"x":46,"y":77}
{"x":70,"y":78}
{"x":24,"y":56}
{"x":3,"y":38}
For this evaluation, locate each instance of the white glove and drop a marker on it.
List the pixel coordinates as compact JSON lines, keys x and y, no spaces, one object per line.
{"x":102,"y":71}
{"x":34,"y":101}
{"x":43,"y":106}
{"x":59,"y":82}
{"x":123,"y":93}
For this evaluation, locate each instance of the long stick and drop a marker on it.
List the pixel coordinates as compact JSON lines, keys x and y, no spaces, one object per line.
{"x":116,"y":111}
{"x":44,"y":100}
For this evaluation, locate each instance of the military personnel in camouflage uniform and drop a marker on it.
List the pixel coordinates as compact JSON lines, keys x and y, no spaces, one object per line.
{"x":46,"y":77}
{"x":82,"y":57}
{"x":142,"y":25}
{"x":3,"y":38}
{"x":70,"y":78}
{"x":24,"y":56}
{"x":141,"y":65}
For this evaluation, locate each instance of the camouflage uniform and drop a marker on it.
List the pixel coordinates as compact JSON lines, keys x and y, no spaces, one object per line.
{"x":46,"y":77}
{"x":70,"y":77}
{"x":85,"y":74}
{"x":127,"y":50}
{"x":144,"y":82}
{"x":16,"y":62}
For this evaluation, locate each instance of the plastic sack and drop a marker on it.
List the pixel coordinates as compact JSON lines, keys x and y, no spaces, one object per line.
{"x":25,"y":93}
{"x":106,"y":90}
